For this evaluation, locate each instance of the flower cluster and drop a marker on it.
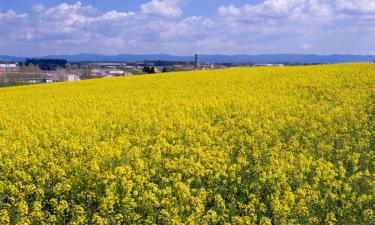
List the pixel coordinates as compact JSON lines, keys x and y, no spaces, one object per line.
{"x":286,"y":145}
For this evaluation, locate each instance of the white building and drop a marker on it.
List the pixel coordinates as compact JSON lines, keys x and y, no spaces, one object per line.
{"x":268,"y":64}
{"x":116,"y":72}
{"x":8,"y":65}
{"x":47,"y":80}
{"x":72,"y":77}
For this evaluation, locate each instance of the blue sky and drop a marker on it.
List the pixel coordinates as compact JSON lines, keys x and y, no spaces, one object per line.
{"x":182,"y":27}
{"x":192,"y":7}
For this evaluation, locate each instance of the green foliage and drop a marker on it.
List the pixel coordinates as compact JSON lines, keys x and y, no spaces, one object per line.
{"x":291,"y":145}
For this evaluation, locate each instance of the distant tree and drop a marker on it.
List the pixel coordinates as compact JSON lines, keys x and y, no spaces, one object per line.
{"x":149,"y":69}
{"x":167,"y":69}
{"x":86,"y":71}
{"x":9,"y":79}
{"x":135,"y":71}
{"x":71,"y":68}
{"x":31,"y":68}
{"x":48,"y":64}
{"x":145,"y":69}
{"x":68,"y":67}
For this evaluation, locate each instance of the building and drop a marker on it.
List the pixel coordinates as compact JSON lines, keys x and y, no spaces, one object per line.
{"x":72,"y":77}
{"x":197,"y":61}
{"x":47,"y":80}
{"x":8,"y":67}
{"x":116,"y":72}
{"x":268,"y":64}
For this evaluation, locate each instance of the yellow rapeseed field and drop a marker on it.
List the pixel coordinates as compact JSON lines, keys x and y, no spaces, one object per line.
{"x":285,"y":145}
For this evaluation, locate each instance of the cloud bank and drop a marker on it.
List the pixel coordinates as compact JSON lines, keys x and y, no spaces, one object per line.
{"x":160,"y":26}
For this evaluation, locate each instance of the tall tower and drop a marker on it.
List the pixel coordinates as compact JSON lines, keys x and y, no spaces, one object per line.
{"x":197,"y":62}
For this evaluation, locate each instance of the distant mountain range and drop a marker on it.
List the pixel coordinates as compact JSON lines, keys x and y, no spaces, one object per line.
{"x":256,"y":59}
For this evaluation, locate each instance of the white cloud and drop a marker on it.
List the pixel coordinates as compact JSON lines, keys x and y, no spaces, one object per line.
{"x":359,"y":6}
{"x":65,"y":7}
{"x":230,"y":10}
{"x":299,"y":9}
{"x":306,"y":46}
{"x":279,"y":9}
{"x":112,"y":15}
{"x":63,"y":18}
{"x":38,"y":8}
{"x":11,"y":14}
{"x":190,"y":28}
{"x":75,"y":19}
{"x":272,"y":26}
{"x":167,"y":8}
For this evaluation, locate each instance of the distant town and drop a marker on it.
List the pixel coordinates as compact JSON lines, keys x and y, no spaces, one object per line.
{"x":33,"y":71}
